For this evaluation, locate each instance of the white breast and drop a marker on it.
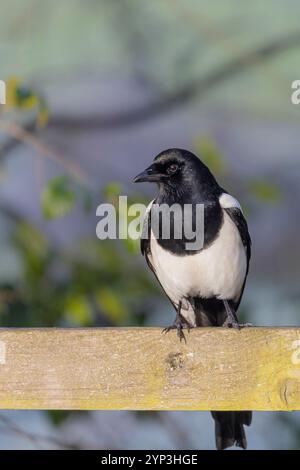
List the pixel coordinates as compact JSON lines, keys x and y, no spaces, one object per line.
{"x":217,"y":271}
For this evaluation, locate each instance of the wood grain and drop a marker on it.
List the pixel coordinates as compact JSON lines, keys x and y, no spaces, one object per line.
{"x":142,"y":369}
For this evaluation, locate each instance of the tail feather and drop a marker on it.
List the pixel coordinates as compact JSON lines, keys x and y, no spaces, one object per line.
{"x":229,"y":428}
{"x":229,"y":425}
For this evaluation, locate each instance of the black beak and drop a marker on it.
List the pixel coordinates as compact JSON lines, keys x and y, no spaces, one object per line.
{"x":151,"y":174}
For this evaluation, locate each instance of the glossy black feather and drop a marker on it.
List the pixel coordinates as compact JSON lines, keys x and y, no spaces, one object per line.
{"x":229,"y":428}
{"x":237,"y":217}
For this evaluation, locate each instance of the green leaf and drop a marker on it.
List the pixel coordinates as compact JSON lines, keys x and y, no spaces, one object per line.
{"x":57,"y":417}
{"x":265,"y":191}
{"x":112,"y":190}
{"x":132,"y":246}
{"x":43,"y":113}
{"x":30,"y":240}
{"x":78,"y":310}
{"x":87,"y":198}
{"x":58,"y":198}
{"x":210,"y":155}
{"x":112,"y":305}
{"x":25,"y":97}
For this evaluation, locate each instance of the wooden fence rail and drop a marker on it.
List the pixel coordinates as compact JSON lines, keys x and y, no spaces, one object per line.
{"x":142,"y":369}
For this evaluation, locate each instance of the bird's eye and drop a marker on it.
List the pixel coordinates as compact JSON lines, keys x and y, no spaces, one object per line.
{"x":173,"y":169}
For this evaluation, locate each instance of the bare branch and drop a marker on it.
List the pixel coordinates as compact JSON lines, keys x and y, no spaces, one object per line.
{"x":22,"y":135}
{"x":37,"y":440}
{"x":182,"y":96}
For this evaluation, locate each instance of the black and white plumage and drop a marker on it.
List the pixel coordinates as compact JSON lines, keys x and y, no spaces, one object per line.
{"x":204,"y":286}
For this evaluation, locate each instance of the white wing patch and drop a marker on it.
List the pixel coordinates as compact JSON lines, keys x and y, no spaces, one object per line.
{"x":228,"y":202}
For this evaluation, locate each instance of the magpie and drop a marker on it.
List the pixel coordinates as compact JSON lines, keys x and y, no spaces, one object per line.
{"x":205,"y":285}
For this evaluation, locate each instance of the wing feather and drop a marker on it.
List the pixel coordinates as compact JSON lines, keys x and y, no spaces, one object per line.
{"x":240,"y":222}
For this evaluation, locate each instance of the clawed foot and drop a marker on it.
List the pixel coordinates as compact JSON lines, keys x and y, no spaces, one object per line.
{"x":228,"y":323}
{"x":246,"y":325}
{"x":231,"y":320}
{"x":235,"y":325}
{"x":179,"y":324}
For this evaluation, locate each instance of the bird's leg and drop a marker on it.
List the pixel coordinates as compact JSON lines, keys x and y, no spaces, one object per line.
{"x":179,"y":324}
{"x":228,"y":324}
{"x":231,"y":320}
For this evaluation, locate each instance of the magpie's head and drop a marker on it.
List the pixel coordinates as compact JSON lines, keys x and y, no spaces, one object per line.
{"x":176,"y":167}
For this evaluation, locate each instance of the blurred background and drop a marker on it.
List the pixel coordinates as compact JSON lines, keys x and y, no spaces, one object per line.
{"x":95,"y":89}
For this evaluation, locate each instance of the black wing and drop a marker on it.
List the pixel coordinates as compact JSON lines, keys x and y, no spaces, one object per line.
{"x":146,"y":235}
{"x":237,"y":217}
